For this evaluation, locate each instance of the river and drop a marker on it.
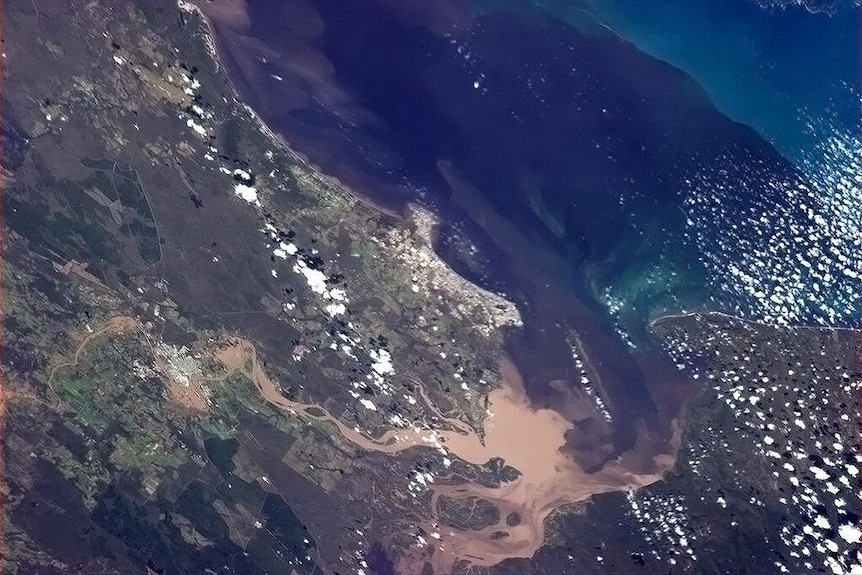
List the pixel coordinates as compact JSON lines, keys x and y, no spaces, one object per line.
{"x":549,"y":477}
{"x":557,"y":150}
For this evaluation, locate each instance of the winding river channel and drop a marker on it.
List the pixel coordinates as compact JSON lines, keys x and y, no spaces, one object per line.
{"x":549,"y":477}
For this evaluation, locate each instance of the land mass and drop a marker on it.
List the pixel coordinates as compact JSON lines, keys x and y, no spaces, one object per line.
{"x":218,"y":358}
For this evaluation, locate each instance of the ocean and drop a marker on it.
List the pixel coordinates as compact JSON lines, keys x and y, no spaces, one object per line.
{"x":601,"y":187}
{"x":779,"y":67}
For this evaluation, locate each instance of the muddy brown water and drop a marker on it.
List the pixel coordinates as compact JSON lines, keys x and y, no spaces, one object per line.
{"x":531,"y":420}
{"x":549,"y":477}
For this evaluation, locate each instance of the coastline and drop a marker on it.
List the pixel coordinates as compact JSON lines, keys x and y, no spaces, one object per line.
{"x":555,"y":498}
{"x":211,"y":39}
{"x":311,"y":385}
{"x":549,"y":478}
{"x":577,"y":310}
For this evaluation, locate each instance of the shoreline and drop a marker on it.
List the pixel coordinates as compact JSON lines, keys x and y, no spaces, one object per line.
{"x":537,"y":498}
{"x":211,"y":39}
{"x":549,"y":480}
{"x":545,"y":495}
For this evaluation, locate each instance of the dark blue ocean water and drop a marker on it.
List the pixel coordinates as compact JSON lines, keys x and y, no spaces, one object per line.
{"x":607,"y":185}
{"x":776,"y":69}
{"x":577,"y":137}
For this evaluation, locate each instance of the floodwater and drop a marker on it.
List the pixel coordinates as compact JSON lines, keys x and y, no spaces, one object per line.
{"x":549,"y":477}
{"x":563,"y":151}
{"x":381,"y":95}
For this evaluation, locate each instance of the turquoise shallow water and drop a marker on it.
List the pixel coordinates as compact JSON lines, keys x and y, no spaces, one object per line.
{"x":792,"y":73}
{"x":602,"y":184}
{"x":625,"y":182}
{"x":772,"y":69}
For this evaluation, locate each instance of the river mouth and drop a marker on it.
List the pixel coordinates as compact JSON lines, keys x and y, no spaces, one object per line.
{"x":556,"y":157}
{"x":526,"y":177}
{"x":548,"y":474}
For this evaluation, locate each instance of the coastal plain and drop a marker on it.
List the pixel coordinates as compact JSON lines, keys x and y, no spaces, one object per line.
{"x":219,"y":358}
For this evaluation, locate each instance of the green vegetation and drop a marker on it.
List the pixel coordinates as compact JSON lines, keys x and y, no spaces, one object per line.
{"x":146,"y":450}
{"x":77,"y":394}
{"x":121,"y":410}
{"x":234,"y":393}
{"x":363,"y":250}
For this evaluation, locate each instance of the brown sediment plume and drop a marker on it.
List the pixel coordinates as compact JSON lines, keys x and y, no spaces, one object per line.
{"x":526,"y":438}
{"x":531,"y":441}
{"x":231,"y":12}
